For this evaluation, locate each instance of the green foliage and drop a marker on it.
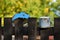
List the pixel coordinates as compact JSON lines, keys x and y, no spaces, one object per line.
{"x":35,"y":8}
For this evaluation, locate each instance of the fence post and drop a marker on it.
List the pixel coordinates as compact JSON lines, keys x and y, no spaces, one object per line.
{"x":7,"y":29}
{"x":18,"y":29}
{"x":56,"y":28}
{"x":0,"y":29}
{"x":44,"y":23}
{"x":32,"y":28}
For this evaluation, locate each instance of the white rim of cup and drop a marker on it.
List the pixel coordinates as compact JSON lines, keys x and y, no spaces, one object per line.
{"x":44,"y":17}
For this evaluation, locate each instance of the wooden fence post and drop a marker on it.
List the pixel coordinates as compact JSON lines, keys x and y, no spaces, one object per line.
{"x":0,"y":29}
{"x":56,"y":28}
{"x":32,"y":28}
{"x":7,"y":29}
{"x":18,"y":29}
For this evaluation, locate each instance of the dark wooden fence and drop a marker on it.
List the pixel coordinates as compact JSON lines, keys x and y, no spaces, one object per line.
{"x":18,"y":30}
{"x":57,"y":29}
{"x":8,"y":30}
{"x":0,"y":29}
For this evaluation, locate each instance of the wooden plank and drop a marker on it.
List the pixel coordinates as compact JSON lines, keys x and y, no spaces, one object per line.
{"x":7,"y":31}
{"x":56,"y":28}
{"x":32,"y":29}
{"x":0,"y":29}
{"x":18,"y":29}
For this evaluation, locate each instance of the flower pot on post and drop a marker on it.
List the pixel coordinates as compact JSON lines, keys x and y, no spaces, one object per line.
{"x":18,"y":22}
{"x":44,"y":23}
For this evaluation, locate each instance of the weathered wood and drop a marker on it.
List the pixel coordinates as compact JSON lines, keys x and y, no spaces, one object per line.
{"x":56,"y":28}
{"x":0,"y":29}
{"x":18,"y":29}
{"x":32,"y":28}
{"x":7,"y":29}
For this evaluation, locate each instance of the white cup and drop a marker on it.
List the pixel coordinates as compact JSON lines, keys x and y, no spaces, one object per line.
{"x":44,"y":22}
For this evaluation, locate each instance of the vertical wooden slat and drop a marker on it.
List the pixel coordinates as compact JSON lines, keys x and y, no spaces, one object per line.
{"x":0,"y":29}
{"x":18,"y":29}
{"x":56,"y":28}
{"x":32,"y":28}
{"x":7,"y":29}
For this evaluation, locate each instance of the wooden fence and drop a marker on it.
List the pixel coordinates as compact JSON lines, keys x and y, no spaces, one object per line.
{"x":8,"y":30}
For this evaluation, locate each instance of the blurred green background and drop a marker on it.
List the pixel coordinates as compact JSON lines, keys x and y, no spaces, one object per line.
{"x":35,"y":8}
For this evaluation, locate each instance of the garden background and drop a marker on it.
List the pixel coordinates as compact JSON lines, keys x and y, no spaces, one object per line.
{"x":35,"y":8}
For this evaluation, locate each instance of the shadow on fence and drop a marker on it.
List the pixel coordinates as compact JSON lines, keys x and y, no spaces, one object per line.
{"x":18,"y":30}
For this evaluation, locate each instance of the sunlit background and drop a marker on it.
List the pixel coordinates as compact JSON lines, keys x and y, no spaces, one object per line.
{"x":35,"y":8}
